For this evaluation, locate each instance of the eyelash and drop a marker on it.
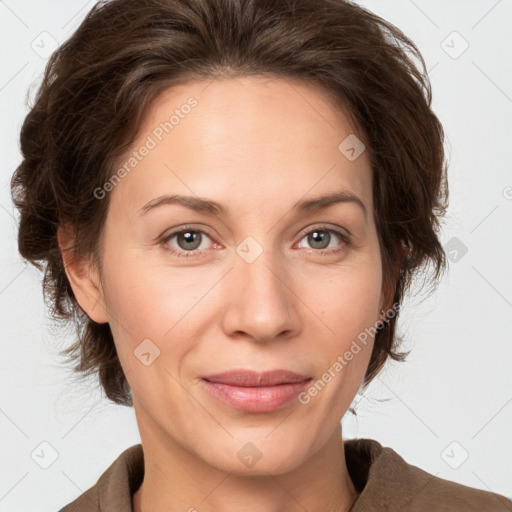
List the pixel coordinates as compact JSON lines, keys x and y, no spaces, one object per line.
{"x":346,"y":239}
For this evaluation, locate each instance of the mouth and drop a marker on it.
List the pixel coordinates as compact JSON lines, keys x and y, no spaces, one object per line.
{"x":253,"y":391}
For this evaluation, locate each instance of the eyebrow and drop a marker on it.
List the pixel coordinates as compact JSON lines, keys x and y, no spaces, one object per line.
{"x":202,"y":205}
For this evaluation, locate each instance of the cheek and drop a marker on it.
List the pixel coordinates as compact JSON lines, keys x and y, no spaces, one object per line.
{"x":350,"y":301}
{"x":149,"y":300}
{"x":138,"y":305}
{"x":348,"y":307}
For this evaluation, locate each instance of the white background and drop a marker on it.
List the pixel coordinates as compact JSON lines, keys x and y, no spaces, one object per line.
{"x":456,"y":385}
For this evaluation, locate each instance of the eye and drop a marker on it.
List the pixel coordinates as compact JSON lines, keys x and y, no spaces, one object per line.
{"x":191,"y":242}
{"x":320,"y":238}
{"x":186,"y":240}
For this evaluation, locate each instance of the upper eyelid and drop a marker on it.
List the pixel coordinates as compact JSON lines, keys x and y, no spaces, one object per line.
{"x":325,"y":227}
{"x":184,"y":229}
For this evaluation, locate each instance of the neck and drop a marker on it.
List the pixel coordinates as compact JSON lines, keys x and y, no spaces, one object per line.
{"x":177,"y":480}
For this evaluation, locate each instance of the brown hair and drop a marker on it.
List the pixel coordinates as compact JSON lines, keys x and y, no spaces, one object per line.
{"x":99,"y":83}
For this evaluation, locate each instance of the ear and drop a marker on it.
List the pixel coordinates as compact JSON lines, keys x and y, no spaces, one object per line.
{"x":386,"y":303}
{"x":83,"y":277}
{"x":387,"y":295}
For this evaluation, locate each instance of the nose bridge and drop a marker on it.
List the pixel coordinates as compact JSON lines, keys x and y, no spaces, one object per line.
{"x":262,"y":304}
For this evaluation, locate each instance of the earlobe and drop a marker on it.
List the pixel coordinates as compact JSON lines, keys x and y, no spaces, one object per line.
{"x":83,"y":278}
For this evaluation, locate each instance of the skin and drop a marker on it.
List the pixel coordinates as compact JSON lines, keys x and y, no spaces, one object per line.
{"x":257,"y":146}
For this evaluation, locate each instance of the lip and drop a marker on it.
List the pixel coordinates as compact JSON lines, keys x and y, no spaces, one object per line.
{"x":253,"y":391}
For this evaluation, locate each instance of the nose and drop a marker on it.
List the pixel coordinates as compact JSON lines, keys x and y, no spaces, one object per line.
{"x":261,"y":304}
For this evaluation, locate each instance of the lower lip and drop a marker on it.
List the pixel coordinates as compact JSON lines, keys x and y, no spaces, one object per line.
{"x":256,"y":399}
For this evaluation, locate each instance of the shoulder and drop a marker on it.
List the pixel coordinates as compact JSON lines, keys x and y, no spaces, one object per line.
{"x":387,"y":482}
{"x":115,"y":487}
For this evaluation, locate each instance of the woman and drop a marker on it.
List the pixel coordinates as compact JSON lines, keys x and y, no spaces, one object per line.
{"x":231,"y":198}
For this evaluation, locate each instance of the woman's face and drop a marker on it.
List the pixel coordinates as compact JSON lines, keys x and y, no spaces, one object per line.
{"x":258,"y":283}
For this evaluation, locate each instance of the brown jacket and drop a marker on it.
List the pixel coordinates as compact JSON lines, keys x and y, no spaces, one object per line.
{"x":386,"y":483}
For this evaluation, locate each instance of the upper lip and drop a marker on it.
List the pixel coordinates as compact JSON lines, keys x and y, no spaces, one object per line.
{"x":251,"y":378}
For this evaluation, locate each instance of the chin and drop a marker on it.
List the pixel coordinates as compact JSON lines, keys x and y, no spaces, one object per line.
{"x":257,"y":455}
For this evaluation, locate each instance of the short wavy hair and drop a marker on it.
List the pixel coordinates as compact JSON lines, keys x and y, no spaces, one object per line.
{"x":98,"y":85}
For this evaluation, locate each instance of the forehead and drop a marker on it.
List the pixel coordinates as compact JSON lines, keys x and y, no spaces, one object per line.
{"x":243,"y":138}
